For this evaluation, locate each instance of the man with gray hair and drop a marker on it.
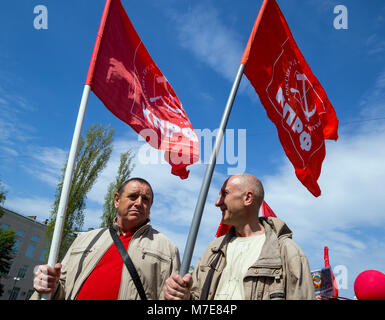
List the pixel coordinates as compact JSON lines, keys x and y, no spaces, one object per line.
{"x":256,"y":260}
{"x":129,"y":261}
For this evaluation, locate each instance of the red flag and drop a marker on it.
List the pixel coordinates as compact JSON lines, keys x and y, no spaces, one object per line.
{"x":266,"y":212}
{"x":327,"y":264}
{"x":292,"y":96}
{"x":126,"y":79}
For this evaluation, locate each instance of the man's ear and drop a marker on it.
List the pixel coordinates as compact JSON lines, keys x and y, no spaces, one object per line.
{"x":116,"y":199}
{"x":248,"y":198}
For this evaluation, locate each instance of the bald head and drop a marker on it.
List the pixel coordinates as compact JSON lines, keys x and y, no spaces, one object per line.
{"x":239,"y":199}
{"x":248,"y":182}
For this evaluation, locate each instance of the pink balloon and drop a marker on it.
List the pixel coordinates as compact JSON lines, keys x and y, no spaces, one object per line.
{"x":370,"y":285}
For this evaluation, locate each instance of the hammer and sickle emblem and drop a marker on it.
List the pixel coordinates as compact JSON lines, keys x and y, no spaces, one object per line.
{"x":305,"y":108}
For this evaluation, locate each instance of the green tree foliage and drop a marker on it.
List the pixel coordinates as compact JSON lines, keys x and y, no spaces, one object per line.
{"x":93,"y":155}
{"x":124,"y":172}
{"x":2,"y":199}
{"x":7,"y":241}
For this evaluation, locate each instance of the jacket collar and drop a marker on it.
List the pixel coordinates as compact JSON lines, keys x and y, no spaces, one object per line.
{"x":138,"y":232}
{"x":270,"y":255}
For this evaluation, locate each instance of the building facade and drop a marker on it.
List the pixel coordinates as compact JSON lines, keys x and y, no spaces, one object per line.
{"x":29,"y":251}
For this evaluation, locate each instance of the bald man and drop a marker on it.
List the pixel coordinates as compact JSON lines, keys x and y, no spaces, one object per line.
{"x":256,"y":260}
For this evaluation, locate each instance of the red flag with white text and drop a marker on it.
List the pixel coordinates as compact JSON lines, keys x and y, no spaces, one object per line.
{"x":124,"y":77}
{"x":292,"y":96}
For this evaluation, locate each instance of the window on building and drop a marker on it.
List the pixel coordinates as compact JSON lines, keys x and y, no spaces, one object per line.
{"x":43,"y":256}
{"x":5,"y":226}
{"x":22,"y":271}
{"x":30,"y":250}
{"x":14,"y":293}
{"x":16,"y":246}
{"x":35,"y":238}
{"x":20,"y":233}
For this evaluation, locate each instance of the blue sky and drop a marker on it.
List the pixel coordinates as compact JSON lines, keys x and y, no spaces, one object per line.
{"x":198,"y":46}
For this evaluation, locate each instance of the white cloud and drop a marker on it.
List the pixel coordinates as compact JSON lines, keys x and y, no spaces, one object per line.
{"x":202,"y":31}
{"x":375,"y":44}
{"x":92,"y":216}
{"x":46,"y":163}
{"x":8,"y":151}
{"x":372,"y":103}
{"x":36,"y":206}
{"x":12,"y":129}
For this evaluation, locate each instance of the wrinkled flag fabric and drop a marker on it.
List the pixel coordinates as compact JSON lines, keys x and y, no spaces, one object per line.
{"x":124,"y":77}
{"x":292,"y":96}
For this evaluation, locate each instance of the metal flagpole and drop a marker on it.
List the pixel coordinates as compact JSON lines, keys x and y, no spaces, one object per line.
{"x":208,"y":176}
{"x":61,"y":213}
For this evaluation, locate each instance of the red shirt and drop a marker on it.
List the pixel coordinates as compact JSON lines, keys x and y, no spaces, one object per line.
{"x":104,"y":281}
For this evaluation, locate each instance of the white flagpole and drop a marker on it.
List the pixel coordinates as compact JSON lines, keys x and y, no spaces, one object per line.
{"x":61,"y":213}
{"x":187,"y":255}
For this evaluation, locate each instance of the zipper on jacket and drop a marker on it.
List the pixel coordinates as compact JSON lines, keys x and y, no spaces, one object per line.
{"x":154,"y":255}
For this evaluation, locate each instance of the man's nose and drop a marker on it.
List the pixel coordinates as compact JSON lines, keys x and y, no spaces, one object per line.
{"x":139,"y":201}
{"x":219,"y":201}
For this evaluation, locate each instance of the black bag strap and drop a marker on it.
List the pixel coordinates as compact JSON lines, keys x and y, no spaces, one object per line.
{"x":128,"y":262}
{"x":209,"y":278}
{"x":81,"y":261}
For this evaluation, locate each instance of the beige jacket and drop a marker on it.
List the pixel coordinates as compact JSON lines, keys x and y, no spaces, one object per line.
{"x":281,"y":271}
{"x":155,"y":258}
